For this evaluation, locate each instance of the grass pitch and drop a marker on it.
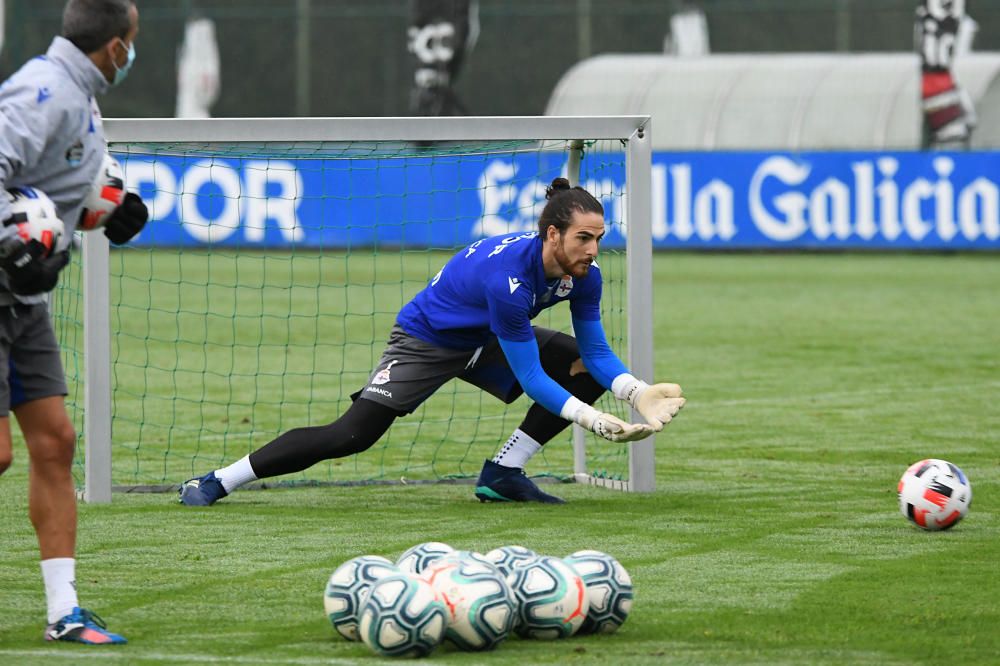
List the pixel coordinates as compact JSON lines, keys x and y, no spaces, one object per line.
{"x":773,"y":536}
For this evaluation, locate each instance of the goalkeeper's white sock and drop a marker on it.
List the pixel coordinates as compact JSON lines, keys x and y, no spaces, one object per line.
{"x":59,"y":574}
{"x":518,"y":450}
{"x":236,"y":475}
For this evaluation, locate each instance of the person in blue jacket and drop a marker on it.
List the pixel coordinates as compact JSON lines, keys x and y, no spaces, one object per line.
{"x":473,"y":322}
{"x":51,"y":139}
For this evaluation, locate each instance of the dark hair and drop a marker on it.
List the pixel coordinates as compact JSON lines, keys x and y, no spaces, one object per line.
{"x":89,"y":24}
{"x":563,"y":201}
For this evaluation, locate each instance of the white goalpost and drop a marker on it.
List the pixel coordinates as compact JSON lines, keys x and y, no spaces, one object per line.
{"x":405,"y":152}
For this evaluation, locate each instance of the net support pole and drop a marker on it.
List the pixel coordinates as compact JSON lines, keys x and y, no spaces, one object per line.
{"x":639,"y":270}
{"x":97,"y":368}
{"x":579,"y":433}
{"x":303,"y":63}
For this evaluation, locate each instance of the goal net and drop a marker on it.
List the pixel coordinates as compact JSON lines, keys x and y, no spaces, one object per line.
{"x":278,"y":253}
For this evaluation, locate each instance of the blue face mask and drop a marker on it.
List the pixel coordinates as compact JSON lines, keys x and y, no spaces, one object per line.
{"x":122,"y":72}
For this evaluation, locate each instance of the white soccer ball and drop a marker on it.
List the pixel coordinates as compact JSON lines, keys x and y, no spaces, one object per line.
{"x":415,"y":559}
{"x":105,"y":195}
{"x":402,"y":617}
{"x":934,"y":494}
{"x":551,"y":596}
{"x":347,"y":588}
{"x":480,"y":604}
{"x":505,"y":558}
{"x":34,"y":215}
{"x":609,"y":590}
{"x":473,"y":555}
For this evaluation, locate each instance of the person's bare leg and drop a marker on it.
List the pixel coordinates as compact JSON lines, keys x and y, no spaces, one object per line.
{"x":6,"y":447}
{"x":51,"y":439}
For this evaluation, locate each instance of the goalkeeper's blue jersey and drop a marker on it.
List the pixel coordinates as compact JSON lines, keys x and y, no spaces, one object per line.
{"x":496,"y":286}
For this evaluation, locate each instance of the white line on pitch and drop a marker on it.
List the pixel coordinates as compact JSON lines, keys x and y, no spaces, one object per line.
{"x":125,"y":654}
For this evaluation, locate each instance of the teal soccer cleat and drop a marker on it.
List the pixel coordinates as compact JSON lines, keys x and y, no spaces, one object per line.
{"x":497,"y":483}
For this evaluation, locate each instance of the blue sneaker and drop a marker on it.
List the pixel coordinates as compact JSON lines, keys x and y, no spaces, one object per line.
{"x":82,"y":626}
{"x":497,"y":483}
{"x":202,"y":491}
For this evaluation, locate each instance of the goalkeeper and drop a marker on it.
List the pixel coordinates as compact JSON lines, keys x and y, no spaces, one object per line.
{"x":473,"y":322}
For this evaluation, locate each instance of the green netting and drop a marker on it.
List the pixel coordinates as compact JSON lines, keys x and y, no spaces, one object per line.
{"x":216,"y":350}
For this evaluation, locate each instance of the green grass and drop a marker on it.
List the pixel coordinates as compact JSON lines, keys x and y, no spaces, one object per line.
{"x":773,"y":537}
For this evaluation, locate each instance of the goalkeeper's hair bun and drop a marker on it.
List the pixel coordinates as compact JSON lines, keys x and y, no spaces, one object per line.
{"x":564,"y":200}
{"x":558,"y":185}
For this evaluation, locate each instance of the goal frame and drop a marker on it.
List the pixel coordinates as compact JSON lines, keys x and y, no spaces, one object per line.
{"x":633,"y":131}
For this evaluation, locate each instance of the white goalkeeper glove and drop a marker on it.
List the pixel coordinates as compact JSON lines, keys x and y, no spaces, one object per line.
{"x":608,"y":426}
{"x":657,"y":403}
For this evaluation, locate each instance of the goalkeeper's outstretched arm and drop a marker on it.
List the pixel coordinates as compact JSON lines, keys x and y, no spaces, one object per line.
{"x":524,"y":361}
{"x":658,"y":403}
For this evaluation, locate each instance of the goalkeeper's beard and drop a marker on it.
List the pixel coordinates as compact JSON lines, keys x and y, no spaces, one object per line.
{"x":577,"y":269}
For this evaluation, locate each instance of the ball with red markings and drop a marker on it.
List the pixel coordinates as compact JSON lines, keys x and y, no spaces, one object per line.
{"x":105,"y":195}
{"x":551,"y":598}
{"x":609,"y":590}
{"x":480,"y":604}
{"x":34,"y":217}
{"x":934,"y":494}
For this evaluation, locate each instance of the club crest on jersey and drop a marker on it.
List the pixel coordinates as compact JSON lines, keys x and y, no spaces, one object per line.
{"x":565,"y":286}
{"x":382,"y":376}
{"x":75,"y":153}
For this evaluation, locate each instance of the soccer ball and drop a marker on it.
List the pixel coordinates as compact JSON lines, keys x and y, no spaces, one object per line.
{"x":609,"y":590}
{"x":416,"y":559}
{"x":480,"y":604}
{"x":402,"y":617}
{"x":105,"y":195}
{"x":934,"y":494}
{"x":34,"y":215}
{"x":463,"y":555}
{"x":347,"y":588}
{"x":551,"y":596}
{"x":505,"y":558}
